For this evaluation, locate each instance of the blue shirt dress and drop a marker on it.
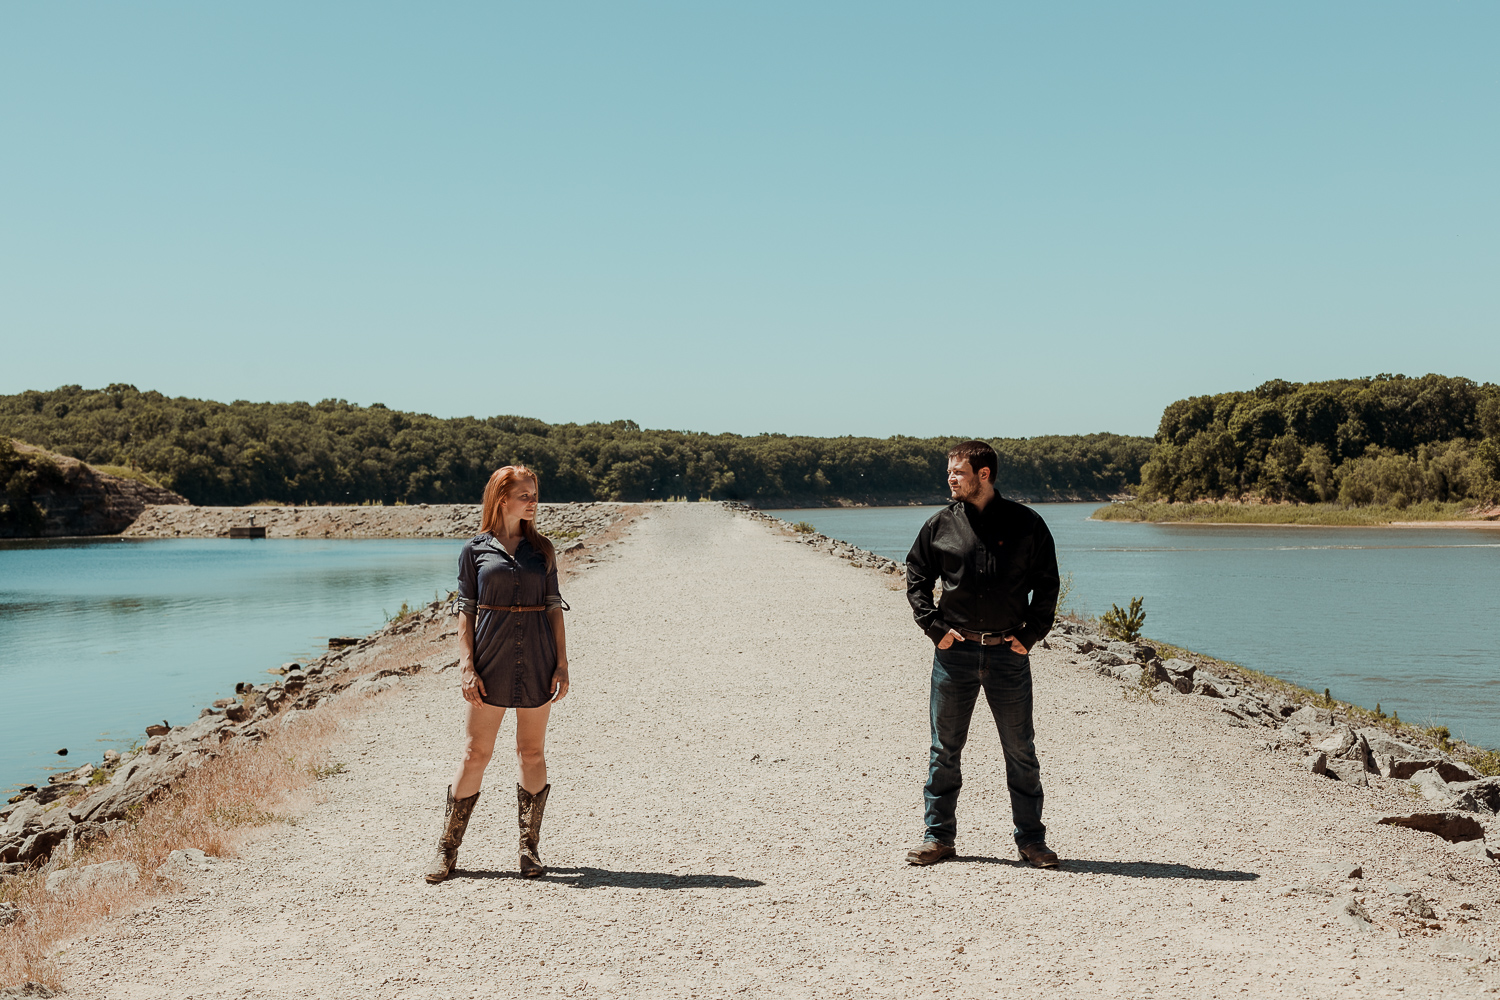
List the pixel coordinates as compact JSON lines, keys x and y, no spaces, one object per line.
{"x":515,"y":653}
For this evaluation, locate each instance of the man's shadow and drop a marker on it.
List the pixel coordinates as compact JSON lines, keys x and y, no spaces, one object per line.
{"x":1124,"y":869}
{"x":602,"y":878}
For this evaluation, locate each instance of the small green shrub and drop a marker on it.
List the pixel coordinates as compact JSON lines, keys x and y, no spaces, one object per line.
{"x":1125,"y":625}
{"x":803,"y":528}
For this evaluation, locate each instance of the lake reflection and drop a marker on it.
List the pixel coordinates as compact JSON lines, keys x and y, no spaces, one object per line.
{"x":100,"y":637}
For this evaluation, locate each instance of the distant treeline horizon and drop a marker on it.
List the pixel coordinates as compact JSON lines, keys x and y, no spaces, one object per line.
{"x":1386,"y":440}
{"x":338,"y":452}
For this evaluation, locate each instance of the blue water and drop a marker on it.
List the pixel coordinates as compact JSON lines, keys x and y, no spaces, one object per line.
{"x":1408,"y":618}
{"x":100,"y":638}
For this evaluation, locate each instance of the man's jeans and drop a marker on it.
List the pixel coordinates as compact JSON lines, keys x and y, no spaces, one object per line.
{"x":958,"y":673}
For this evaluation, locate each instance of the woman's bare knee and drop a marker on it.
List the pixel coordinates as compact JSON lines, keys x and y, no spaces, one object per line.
{"x":475,"y":756}
{"x":531,"y":756}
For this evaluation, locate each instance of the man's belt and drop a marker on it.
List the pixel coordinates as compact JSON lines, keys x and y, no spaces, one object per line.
{"x":513,"y":607}
{"x":986,"y":638}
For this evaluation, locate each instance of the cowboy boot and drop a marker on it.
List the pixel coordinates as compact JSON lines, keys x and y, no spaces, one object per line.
{"x":530,"y":810}
{"x":455,"y":821}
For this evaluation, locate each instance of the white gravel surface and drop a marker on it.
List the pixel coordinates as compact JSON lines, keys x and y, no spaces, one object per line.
{"x":736,"y":777}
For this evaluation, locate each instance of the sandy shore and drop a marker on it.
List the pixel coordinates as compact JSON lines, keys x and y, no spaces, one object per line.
{"x":736,"y":777}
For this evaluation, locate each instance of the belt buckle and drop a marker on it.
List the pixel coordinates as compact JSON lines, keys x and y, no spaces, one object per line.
{"x":984,"y":637}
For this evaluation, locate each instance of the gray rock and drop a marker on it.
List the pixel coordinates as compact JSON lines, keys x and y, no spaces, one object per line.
{"x":1382,"y":742}
{"x":1482,"y":796}
{"x":1310,"y":717}
{"x":1353,"y":915}
{"x":1317,"y":763}
{"x":1105,"y":658}
{"x":1348,"y":771}
{"x":1417,"y":906}
{"x":1479,"y":850}
{"x":1447,"y":769}
{"x":1451,"y":826}
{"x":85,"y":878}
{"x":368,"y":686}
{"x":27,"y":989}
{"x":114,"y":801}
{"x":1214,"y":687}
{"x":1431,"y":785}
{"x":184,"y":864}
{"x":9,"y":914}
{"x":1336,"y":743}
{"x":1183,"y":667}
{"x":1235,"y":713}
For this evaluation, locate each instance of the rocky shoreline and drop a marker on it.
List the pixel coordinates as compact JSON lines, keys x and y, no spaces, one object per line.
{"x":96,"y":798}
{"x":560,"y":521}
{"x":1337,"y":741}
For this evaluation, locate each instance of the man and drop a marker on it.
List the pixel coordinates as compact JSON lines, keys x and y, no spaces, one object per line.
{"x":989,"y":554}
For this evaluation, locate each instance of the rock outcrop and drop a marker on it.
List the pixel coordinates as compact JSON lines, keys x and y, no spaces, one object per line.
{"x":64,"y":497}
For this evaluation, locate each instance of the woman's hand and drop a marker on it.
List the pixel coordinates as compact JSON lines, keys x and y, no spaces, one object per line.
{"x":560,"y":681}
{"x":472,"y":686}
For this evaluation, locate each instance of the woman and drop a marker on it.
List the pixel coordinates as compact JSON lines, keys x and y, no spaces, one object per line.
{"x":511,"y":655}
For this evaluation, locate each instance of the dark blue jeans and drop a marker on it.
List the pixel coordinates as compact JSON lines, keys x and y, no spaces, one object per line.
{"x":958,"y":673}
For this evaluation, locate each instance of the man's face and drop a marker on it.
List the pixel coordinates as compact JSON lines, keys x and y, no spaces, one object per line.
{"x":963,"y":482}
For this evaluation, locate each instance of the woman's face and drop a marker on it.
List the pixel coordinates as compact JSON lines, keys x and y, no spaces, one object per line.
{"x":520,"y":503}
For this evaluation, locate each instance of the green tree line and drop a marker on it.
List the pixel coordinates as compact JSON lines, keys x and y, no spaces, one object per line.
{"x":337,"y":452}
{"x":1382,"y":440}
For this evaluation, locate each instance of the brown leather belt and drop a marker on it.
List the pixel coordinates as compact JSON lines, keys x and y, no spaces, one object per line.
{"x":513,"y":607}
{"x":985,"y":638}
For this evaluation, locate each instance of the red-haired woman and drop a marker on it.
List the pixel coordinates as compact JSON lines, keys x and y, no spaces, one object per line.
{"x":511,"y":655}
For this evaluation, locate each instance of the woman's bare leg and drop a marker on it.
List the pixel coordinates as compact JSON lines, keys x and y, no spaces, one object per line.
{"x":531,"y":737}
{"x":480,"y":730}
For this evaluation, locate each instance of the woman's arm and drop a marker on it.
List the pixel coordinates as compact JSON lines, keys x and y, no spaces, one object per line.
{"x":560,"y":674}
{"x":472,"y":686}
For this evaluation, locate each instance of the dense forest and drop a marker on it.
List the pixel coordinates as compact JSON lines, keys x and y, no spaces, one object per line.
{"x":1382,"y":440}
{"x":336,"y":452}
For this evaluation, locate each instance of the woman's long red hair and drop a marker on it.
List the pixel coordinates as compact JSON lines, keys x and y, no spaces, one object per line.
{"x":502,"y":481}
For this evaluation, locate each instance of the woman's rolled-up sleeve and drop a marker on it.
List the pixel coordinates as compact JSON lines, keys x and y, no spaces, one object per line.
{"x":468,"y":582}
{"x":552,"y":597}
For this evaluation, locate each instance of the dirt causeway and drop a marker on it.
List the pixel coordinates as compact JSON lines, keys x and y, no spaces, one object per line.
{"x":736,"y":777}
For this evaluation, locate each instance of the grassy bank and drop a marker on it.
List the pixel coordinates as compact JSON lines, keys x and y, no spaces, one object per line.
{"x":214,"y":808}
{"x":1331,"y":514}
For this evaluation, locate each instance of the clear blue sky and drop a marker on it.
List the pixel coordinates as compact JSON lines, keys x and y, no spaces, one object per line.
{"x":818,"y":218}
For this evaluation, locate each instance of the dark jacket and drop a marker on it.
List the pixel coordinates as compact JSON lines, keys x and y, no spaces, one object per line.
{"x":989,"y":561}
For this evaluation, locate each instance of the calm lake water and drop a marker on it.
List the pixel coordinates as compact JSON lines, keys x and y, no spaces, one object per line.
{"x":100,"y":638}
{"x":1406,"y":617}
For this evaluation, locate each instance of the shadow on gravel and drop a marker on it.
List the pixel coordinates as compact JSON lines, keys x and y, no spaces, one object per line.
{"x":600,"y":878}
{"x":1128,"y":869}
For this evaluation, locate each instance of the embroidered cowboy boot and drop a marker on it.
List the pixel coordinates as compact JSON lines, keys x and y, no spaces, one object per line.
{"x":530,"y":811}
{"x":455,"y":821}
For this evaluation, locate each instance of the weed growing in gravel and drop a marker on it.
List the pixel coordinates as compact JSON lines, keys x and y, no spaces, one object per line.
{"x":1125,"y":625}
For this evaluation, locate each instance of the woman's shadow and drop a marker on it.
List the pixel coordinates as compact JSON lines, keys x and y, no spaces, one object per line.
{"x":602,"y":878}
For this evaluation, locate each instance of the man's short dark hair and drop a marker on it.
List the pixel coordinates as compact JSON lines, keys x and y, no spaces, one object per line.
{"x":979,"y":456}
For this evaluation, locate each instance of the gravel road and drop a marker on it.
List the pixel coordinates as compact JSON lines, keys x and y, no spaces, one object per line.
{"x":736,"y":777}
